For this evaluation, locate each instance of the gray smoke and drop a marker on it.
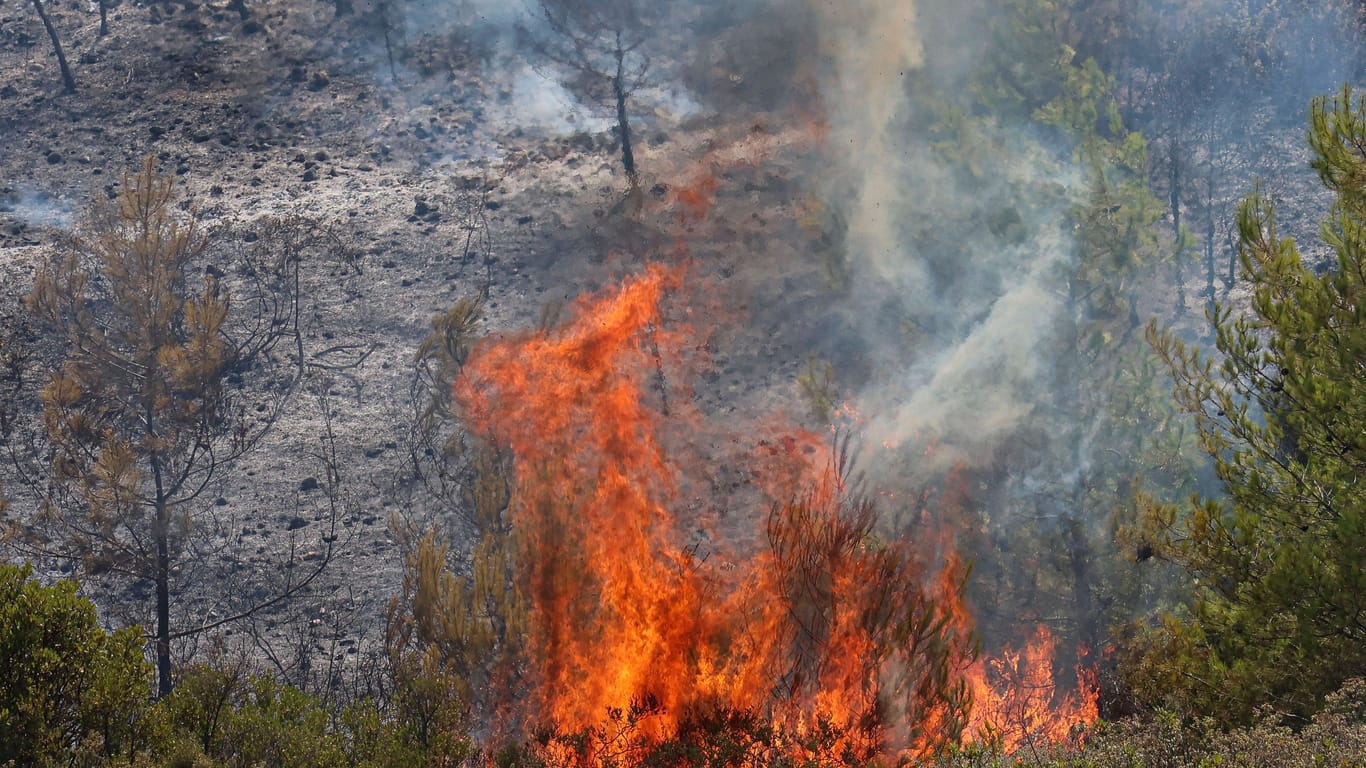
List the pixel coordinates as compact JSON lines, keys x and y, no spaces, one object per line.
{"x":975,"y":307}
{"x":35,"y":208}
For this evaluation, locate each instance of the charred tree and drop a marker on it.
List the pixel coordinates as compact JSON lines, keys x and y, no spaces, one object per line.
{"x":601,"y":43}
{"x":68,"y":81}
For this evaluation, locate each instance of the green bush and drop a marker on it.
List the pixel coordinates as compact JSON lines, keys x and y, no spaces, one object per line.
{"x":249,"y":721}
{"x":70,"y":693}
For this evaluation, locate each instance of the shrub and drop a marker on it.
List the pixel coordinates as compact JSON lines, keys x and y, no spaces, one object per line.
{"x":69,"y":692}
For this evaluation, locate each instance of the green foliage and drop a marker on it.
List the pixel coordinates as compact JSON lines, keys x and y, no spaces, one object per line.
{"x":69,"y":691}
{"x":1279,"y":611}
{"x":1054,"y":498}
{"x":252,"y":721}
{"x":222,"y":717}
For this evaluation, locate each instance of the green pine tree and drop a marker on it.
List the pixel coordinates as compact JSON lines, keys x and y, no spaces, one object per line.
{"x":1278,"y":614}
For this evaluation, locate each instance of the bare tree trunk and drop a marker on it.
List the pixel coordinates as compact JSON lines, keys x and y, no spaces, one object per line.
{"x":56,"y":47}
{"x":1232,"y":278}
{"x":104,"y":17}
{"x":1174,"y":177}
{"x":628,"y":158}
{"x":162,"y":577}
{"x":1209,"y":220}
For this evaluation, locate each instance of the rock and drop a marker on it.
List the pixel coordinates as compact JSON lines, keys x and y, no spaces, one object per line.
{"x":319,"y":81}
{"x":53,"y":157}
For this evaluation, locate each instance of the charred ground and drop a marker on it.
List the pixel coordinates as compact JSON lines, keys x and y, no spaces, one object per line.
{"x":433,"y":184}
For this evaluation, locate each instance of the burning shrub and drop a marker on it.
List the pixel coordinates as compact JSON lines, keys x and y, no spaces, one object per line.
{"x":633,"y":641}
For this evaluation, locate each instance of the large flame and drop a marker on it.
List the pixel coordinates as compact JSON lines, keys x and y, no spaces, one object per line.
{"x":650,"y":614}
{"x":817,"y":620}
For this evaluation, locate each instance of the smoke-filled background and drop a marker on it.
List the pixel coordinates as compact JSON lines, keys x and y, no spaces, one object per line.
{"x":1002,"y":198}
{"x":937,"y":227}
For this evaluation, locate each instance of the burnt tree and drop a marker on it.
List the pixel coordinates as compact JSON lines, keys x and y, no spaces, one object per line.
{"x":67,"y":80}
{"x":602,"y":45}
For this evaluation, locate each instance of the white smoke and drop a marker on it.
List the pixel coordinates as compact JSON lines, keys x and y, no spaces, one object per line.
{"x":539,"y":103}
{"x":981,"y":365}
{"x":38,"y":209}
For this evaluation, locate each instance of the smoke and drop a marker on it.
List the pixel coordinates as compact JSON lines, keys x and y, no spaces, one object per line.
{"x":34,"y":208}
{"x":970,"y":270}
{"x":523,"y":91}
{"x":874,"y":45}
{"x":537,"y":102}
{"x":963,"y":215}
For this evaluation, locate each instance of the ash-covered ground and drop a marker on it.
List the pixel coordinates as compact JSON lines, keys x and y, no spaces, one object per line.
{"x":445,"y":161}
{"x":458,"y":170}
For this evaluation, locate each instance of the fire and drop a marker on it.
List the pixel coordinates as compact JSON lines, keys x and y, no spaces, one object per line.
{"x":1016,"y":701}
{"x":812,"y":619}
{"x":616,"y":604}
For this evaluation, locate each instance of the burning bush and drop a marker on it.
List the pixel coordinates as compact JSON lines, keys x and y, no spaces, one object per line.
{"x":826,"y":638}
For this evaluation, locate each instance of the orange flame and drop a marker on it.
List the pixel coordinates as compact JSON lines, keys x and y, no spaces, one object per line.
{"x":1016,"y":702}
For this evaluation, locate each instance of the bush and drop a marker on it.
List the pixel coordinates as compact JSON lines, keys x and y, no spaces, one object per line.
{"x":70,"y":693}
{"x":250,"y":721}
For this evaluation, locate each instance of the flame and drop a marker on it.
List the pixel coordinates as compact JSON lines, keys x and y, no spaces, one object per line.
{"x":615,"y":604}
{"x":1017,"y":702}
{"x":821,"y":621}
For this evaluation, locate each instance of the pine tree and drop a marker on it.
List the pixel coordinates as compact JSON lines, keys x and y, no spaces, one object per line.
{"x":1279,"y":609}
{"x":455,"y":636}
{"x":141,"y":414}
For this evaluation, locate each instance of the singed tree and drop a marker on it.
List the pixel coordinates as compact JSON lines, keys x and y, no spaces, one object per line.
{"x":144,"y":410}
{"x":68,"y":82}
{"x":603,"y":45}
